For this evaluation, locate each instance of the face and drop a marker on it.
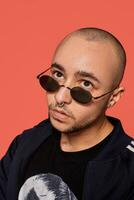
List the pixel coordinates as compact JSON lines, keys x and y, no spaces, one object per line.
{"x":42,"y":191}
{"x":71,"y":63}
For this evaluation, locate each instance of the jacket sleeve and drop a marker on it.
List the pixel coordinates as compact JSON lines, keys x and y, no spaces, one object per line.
{"x":5,"y":164}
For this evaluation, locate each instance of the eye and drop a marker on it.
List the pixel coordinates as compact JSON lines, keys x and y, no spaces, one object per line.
{"x":57,"y":74}
{"x":86,"y":84}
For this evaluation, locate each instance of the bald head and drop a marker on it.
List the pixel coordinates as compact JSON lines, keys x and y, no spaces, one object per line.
{"x":99,"y":35}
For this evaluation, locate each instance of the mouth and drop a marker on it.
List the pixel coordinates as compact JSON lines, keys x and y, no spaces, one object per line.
{"x":59,"y":115}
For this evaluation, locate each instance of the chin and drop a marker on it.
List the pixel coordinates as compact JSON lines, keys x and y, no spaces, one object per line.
{"x":59,"y":125}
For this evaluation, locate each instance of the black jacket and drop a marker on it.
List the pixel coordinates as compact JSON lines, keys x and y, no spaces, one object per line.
{"x":109,"y":177}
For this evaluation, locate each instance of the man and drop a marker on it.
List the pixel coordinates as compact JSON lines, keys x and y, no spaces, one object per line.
{"x":78,"y":144}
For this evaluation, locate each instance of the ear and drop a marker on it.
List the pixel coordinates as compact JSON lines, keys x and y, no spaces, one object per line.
{"x":116,"y":95}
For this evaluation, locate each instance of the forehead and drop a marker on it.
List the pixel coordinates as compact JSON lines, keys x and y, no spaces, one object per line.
{"x":96,"y":57}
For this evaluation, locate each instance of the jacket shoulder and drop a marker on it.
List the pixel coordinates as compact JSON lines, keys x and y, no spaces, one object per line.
{"x":28,"y":134}
{"x":45,"y":124}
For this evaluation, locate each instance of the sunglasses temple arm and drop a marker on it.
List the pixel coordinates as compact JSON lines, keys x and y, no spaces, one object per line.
{"x":42,"y":73}
{"x":105,"y":93}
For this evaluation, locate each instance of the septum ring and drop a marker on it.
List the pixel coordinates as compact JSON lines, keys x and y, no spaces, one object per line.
{"x":60,"y":105}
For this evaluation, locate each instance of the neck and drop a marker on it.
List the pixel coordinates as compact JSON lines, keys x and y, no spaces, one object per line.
{"x":84,"y":139}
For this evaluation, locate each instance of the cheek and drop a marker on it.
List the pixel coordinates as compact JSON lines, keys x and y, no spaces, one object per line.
{"x":84,"y":112}
{"x":89,"y":111}
{"x":50,"y":98}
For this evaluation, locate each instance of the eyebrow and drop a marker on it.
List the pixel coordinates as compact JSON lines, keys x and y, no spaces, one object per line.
{"x":81,"y":73}
{"x":88,"y":75}
{"x":58,"y":66}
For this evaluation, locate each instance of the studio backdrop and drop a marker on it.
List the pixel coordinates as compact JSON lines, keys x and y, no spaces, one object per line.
{"x":29,"y":33}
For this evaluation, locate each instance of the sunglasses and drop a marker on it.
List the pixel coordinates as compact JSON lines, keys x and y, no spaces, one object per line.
{"x":80,"y":95}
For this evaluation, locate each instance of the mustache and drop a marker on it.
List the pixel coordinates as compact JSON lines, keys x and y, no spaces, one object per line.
{"x":64,"y":109}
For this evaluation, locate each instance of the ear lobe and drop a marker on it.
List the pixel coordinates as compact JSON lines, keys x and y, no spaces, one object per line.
{"x":115,"y":97}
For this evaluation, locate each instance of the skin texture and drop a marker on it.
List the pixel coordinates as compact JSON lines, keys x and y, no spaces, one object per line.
{"x":85,"y":125}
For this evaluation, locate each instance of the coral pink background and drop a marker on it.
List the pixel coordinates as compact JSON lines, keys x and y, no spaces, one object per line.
{"x":29,"y":33}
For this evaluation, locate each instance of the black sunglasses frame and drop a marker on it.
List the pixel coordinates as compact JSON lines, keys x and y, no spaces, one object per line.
{"x":90,"y":99}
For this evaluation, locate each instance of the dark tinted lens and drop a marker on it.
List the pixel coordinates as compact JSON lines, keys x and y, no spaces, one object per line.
{"x":49,"y":84}
{"x":81,"y":95}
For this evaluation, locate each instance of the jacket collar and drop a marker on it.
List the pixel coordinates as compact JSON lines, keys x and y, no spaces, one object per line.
{"x":117,"y":142}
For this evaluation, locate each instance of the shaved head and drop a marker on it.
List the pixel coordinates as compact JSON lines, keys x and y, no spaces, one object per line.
{"x":93,"y":60}
{"x":99,"y":35}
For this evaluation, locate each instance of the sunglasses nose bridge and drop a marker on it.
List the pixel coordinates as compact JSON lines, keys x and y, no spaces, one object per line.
{"x":65,"y":87}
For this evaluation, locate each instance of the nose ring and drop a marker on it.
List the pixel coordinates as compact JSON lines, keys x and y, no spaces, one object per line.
{"x":60,"y":104}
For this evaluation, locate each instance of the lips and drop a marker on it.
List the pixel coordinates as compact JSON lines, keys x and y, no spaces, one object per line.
{"x":59,"y":115}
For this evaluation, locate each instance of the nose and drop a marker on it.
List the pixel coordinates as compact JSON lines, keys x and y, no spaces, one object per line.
{"x":63,"y":95}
